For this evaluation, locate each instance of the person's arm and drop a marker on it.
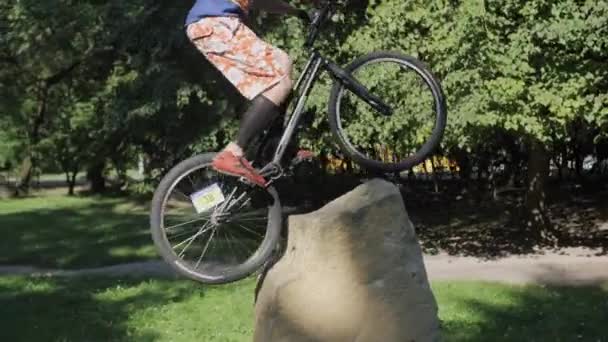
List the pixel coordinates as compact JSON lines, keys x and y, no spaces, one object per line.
{"x":277,"y":6}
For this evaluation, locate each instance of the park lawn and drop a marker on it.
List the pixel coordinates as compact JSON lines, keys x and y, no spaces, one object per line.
{"x":57,"y":231}
{"x":103,"y":309}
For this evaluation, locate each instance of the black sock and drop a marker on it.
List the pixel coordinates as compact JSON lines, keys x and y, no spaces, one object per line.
{"x":259,"y":115}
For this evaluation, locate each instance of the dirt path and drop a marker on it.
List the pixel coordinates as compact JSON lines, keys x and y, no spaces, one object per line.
{"x":137,"y":269}
{"x":574,"y":268}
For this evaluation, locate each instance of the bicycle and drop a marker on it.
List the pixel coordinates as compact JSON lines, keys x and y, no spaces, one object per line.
{"x":194,"y":202}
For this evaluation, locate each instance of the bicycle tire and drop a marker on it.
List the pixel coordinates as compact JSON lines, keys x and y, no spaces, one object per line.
{"x":439,"y":103}
{"x":251,"y":265}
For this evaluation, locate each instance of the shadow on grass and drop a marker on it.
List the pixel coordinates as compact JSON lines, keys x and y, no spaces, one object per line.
{"x":97,"y":309}
{"x":91,"y":233}
{"x":103,"y":309}
{"x":39,"y":309}
{"x":486,"y":312}
{"x":486,"y":228}
{"x":468,"y":229}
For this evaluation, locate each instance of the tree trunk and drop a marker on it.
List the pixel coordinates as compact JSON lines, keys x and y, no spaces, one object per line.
{"x":121,"y":173}
{"x":397,"y":174}
{"x":481,"y":181}
{"x":560,"y":165}
{"x":24,"y":177}
{"x":464,"y":164}
{"x":69,"y":184}
{"x":71,"y":180}
{"x":96,"y":178}
{"x":578,"y":165}
{"x":536,"y":219}
{"x":493,"y":182}
{"x":36,"y":122}
{"x":434,"y":174}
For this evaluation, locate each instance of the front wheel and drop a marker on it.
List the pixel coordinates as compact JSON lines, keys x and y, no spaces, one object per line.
{"x":405,"y":138}
{"x":210,"y":227}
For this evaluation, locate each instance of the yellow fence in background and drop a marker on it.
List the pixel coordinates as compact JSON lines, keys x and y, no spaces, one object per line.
{"x":336,"y":164}
{"x":440,"y":162}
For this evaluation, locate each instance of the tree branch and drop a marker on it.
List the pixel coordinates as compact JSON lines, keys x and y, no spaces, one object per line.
{"x":60,"y":75}
{"x":9,"y":60}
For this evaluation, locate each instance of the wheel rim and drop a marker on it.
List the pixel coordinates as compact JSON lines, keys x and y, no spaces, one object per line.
{"x":411,"y":126}
{"x":219,"y":243}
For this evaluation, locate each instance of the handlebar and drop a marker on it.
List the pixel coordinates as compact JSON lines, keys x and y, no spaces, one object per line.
{"x":318,"y":18}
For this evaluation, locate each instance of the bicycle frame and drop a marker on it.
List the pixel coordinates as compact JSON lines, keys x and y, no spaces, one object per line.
{"x":302,"y":89}
{"x":304,"y":84}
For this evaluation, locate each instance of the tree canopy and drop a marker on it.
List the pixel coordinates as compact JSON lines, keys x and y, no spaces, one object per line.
{"x":92,"y":85}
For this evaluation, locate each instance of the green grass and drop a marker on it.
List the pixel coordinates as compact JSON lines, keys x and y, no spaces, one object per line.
{"x":73,"y":232}
{"x":493,"y":312}
{"x":130,"y":310}
{"x":57,"y":177}
{"x":45,"y":309}
{"x":60,"y":177}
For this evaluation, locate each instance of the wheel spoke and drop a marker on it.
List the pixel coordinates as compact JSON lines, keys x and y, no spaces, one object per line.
{"x":185,"y":223}
{"x":205,"y":249}
{"x":216,"y":242}
{"x":237,"y":241}
{"x":237,"y":200}
{"x":187,"y":198}
{"x":250,"y":230}
{"x":228,"y":242}
{"x":245,"y":248}
{"x":192,"y":238}
{"x":251,"y":219}
{"x":184,"y":232}
{"x":254,"y":213}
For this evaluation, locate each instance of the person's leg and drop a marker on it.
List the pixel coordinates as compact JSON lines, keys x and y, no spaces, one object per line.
{"x":260,"y":114}
{"x":279,"y":92}
{"x":265,"y":107}
{"x":261,"y":72}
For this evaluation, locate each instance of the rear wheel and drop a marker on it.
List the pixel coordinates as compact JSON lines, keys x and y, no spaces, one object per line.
{"x":210,"y":227}
{"x":402,"y":140}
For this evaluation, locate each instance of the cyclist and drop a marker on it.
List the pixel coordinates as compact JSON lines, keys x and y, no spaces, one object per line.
{"x":260,"y":71}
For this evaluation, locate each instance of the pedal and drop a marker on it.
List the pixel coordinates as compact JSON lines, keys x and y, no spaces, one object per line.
{"x":246,"y":181}
{"x":253,"y":185}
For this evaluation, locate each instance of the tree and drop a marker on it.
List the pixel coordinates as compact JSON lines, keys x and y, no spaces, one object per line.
{"x":43,"y":51}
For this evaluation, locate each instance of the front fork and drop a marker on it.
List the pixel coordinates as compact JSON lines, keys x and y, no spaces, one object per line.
{"x":351,"y":83}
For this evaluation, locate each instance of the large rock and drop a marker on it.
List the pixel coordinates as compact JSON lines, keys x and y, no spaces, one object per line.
{"x":352,"y":271}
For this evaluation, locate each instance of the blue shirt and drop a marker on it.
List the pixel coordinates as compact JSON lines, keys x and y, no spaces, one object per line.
{"x":213,"y":8}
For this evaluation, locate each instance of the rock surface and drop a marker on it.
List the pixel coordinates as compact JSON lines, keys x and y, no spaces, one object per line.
{"x":352,"y":271}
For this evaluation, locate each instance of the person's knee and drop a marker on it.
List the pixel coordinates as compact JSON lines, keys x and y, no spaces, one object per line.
{"x":281,"y":90}
{"x":285,"y":63}
{"x":286,"y":83}
{"x":288,"y":68}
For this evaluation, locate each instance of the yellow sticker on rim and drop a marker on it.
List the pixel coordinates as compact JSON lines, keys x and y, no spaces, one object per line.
{"x":207,"y":198}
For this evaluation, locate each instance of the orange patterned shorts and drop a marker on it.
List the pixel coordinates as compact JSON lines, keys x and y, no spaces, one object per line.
{"x":250,"y":64}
